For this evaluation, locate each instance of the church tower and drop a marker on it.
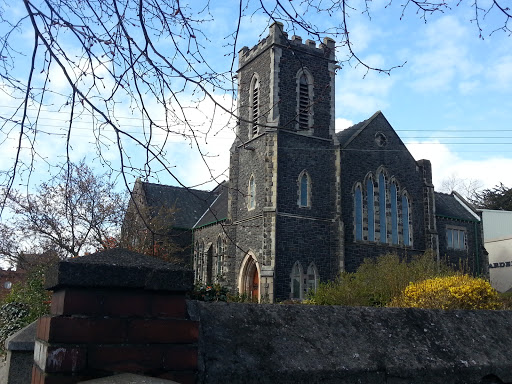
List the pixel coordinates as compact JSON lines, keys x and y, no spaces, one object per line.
{"x":284,"y":170}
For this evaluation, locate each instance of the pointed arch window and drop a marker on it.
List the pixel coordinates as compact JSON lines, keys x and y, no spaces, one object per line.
{"x":296,"y":282}
{"x":358,"y":206}
{"x":304,"y":189}
{"x":220,"y":257}
{"x":371,"y":209}
{"x":382,"y":208}
{"x":394,"y":214}
{"x":255,"y":105}
{"x":196,"y":261}
{"x":251,"y":194}
{"x":405,"y":219}
{"x":304,"y":99}
{"x":311,"y":279}
{"x":201,"y":266}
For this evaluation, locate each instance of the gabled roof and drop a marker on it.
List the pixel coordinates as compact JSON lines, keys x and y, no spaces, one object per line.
{"x":447,"y":205}
{"x":218,"y":210}
{"x":190,"y":203}
{"x":349,"y":134}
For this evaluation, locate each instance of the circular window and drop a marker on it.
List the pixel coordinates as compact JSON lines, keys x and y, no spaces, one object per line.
{"x":380,"y":139}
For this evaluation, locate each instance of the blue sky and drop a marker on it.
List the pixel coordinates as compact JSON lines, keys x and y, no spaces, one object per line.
{"x":450,"y":102}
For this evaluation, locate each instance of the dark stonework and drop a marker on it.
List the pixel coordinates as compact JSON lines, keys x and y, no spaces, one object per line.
{"x":119,"y":268}
{"x":280,"y":231}
{"x":363,"y":155}
{"x":247,"y":343}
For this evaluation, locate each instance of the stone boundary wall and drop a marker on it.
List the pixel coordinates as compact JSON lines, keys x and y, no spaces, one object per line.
{"x":250,"y":343}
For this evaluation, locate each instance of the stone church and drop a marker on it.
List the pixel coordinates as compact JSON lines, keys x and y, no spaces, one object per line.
{"x":304,"y":203}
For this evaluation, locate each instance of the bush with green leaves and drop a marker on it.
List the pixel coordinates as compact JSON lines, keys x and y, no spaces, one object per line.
{"x":377,"y":281}
{"x":12,"y":318}
{"x":209,"y":292}
{"x":25,"y":303}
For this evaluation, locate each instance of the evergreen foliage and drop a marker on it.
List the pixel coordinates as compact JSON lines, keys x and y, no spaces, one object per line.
{"x":24,"y":304}
{"x":498,"y":197}
{"x":377,"y":282}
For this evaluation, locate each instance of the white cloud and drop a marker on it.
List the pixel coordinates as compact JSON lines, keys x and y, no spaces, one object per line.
{"x":360,"y":94}
{"x":342,"y":123}
{"x":499,"y":73}
{"x":446,"y":163}
{"x":444,"y":57}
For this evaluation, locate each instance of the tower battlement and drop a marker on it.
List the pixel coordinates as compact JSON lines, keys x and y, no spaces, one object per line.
{"x":277,"y":36}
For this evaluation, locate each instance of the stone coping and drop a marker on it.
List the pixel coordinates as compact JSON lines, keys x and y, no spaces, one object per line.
{"x":23,"y":340}
{"x":128,"y":378}
{"x":120,"y":268}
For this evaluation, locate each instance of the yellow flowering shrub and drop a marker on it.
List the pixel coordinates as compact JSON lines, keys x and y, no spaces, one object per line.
{"x":450,"y":292}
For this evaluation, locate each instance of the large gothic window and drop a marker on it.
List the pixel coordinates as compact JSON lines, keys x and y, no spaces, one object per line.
{"x":255,"y":105}
{"x":382,"y":212}
{"x":251,"y":194}
{"x":304,"y":190}
{"x":304,"y":99}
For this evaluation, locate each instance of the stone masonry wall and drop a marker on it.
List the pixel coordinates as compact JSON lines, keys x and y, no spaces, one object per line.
{"x":248,"y":343}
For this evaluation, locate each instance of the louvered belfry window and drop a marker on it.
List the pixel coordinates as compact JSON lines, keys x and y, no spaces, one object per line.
{"x":304,"y":102}
{"x":255,"y":106}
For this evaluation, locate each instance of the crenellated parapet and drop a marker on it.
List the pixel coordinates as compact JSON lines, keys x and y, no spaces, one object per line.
{"x":277,"y":36}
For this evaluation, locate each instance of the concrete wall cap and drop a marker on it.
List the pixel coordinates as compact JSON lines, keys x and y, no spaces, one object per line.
{"x":128,"y":378}
{"x":120,"y":268}
{"x":23,"y":340}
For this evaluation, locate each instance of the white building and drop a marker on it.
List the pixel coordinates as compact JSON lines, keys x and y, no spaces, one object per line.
{"x":497,"y":227}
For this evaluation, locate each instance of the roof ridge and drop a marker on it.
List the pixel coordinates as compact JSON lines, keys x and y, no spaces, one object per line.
{"x":175,"y":187}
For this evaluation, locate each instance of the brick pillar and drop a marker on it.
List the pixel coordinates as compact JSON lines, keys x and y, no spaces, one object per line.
{"x":113,"y":312}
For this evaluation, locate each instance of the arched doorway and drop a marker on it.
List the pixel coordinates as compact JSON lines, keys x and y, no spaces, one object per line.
{"x":249,"y":280}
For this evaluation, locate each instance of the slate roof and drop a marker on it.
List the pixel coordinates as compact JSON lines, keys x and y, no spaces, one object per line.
{"x":218,"y":210}
{"x":348,"y":134}
{"x":190,"y":203}
{"x":447,"y":205}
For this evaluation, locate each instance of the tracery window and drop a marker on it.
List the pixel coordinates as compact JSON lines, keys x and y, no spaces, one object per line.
{"x":382,"y":212}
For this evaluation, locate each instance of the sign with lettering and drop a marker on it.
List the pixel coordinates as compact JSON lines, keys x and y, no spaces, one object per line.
{"x":502,"y":264}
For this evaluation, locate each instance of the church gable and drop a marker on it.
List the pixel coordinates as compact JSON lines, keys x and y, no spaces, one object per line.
{"x":383,"y":192}
{"x":374,"y":135}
